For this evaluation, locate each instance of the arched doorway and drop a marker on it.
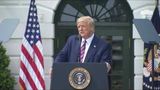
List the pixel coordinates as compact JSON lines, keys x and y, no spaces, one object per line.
{"x":113,"y":22}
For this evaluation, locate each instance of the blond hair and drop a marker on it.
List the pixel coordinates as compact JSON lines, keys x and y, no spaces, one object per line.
{"x":88,"y":20}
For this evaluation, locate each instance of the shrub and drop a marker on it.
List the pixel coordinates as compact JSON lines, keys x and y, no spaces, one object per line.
{"x":6,"y":80}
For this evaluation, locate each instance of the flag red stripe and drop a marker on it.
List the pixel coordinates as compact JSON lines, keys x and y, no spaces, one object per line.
{"x":38,"y":53}
{"x":28,"y":76}
{"x":33,"y":65}
{"x":23,"y":86}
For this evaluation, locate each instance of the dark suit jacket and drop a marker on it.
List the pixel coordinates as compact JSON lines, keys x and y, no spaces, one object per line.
{"x":99,"y":51}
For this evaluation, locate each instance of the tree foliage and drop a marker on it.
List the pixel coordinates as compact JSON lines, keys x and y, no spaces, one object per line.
{"x":6,"y":80}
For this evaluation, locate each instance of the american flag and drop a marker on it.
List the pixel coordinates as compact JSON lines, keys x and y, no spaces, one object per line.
{"x":151,"y":77}
{"x":31,"y":75}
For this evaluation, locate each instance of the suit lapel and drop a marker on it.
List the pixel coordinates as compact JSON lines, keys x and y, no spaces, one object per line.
{"x":92,"y":50}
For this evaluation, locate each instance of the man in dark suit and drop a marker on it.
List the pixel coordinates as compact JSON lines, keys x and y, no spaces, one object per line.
{"x":85,"y":47}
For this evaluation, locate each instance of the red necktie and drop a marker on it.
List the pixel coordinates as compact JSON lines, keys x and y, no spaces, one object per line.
{"x":82,"y":51}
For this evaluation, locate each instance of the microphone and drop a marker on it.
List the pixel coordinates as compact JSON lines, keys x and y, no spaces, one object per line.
{"x":78,"y":60}
{"x":79,"y":40}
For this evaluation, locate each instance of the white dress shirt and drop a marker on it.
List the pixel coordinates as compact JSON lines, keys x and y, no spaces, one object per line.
{"x":88,"y":43}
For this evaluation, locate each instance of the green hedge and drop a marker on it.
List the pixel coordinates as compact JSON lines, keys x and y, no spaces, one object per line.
{"x":7,"y":81}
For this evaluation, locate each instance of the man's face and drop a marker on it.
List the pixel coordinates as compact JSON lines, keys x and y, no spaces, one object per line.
{"x":84,"y":29}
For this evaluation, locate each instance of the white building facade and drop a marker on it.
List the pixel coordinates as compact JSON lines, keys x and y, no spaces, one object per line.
{"x":19,"y":9}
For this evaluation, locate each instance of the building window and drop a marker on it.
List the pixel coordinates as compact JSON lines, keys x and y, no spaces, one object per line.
{"x":100,"y":10}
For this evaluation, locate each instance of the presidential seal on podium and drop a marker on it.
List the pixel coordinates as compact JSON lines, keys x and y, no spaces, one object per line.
{"x":79,"y":78}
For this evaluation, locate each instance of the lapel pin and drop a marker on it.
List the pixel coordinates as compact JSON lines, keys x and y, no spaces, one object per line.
{"x":94,"y":46}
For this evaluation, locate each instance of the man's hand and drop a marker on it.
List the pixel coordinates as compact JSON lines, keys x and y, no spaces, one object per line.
{"x":108,"y":67}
